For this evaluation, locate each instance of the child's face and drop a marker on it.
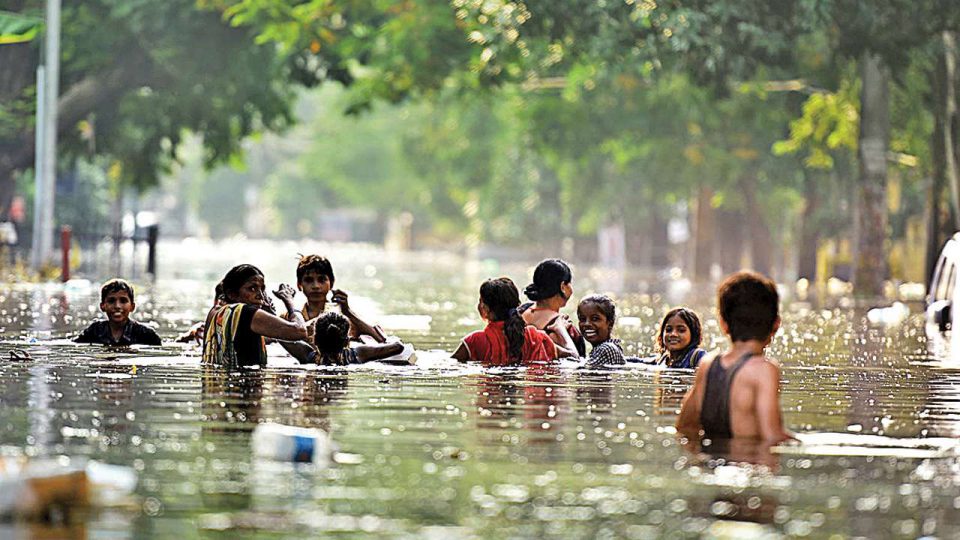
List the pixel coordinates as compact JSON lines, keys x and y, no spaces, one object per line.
{"x":676,"y":334}
{"x":117,"y":306}
{"x":252,"y":292}
{"x":593,"y":323}
{"x":315,"y":286}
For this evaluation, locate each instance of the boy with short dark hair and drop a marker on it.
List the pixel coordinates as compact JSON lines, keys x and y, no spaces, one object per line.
{"x":736,"y":394}
{"x":315,"y":279}
{"x":116,"y":302}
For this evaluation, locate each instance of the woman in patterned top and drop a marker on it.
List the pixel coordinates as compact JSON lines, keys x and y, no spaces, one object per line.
{"x":235,"y":329}
{"x":331,"y":337}
{"x":597,"y":314}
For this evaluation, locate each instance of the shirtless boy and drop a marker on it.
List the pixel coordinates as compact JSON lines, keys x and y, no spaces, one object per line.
{"x":735,"y":395}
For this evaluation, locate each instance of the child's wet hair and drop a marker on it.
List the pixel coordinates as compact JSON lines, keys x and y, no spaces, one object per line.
{"x":314,"y":263}
{"x":218,"y":293}
{"x":113,"y":286}
{"x":690,"y":318}
{"x":750,"y":305}
{"x":501,"y":297}
{"x":605,"y":304}
{"x":331,"y":333}
{"x":549,"y":275}
{"x":237,"y":276}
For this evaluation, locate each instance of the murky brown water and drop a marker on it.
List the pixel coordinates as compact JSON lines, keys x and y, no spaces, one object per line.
{"x":446,"y":451}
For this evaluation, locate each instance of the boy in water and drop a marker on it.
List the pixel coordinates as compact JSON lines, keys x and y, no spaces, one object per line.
{"x":736,"y":394}
{"x":116,"y":302}
{"x":315,"y":279}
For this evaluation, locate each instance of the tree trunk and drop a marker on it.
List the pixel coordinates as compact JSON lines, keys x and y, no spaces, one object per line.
{"x":730,"y":225}
{"x":938,"y":178}
{"x":870,"y":266}
{"x":703,"y":238}
{"x":807,"y":259}
{"x":761,"y":242}
{"x":659,"y":239}
{"x":950,"y":114}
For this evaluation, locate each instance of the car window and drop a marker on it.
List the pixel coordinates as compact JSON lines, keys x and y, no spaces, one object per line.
{"x":947,"y":278}
{"x":951,"y":279}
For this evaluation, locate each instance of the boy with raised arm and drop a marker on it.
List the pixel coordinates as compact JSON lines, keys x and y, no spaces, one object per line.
{"x":315,"y":279}
{"x":736,"y":394}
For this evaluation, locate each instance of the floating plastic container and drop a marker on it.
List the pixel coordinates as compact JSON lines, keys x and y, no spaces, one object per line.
{"x":33,"y":488}
{"x":288,"y":443}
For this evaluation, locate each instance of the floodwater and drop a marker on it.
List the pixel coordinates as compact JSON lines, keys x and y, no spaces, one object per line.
{"x":440,"y":450}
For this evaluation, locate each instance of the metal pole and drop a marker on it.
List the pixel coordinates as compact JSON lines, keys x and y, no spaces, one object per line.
{"x":36,"y":257}
{"x":48,"y":82}
{"x":50,"y":144}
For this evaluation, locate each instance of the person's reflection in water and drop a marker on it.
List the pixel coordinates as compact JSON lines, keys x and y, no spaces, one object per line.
{"x":230,"y":409}
{"x":725,"y":467}
{"x":304,"y":399}
{"x":530,"y":399}
{"x":594,"y":395}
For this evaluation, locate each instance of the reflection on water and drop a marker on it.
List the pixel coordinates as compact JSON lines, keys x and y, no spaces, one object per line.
{"x":455,"y":451}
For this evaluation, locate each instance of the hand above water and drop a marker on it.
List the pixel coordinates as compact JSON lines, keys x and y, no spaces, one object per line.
{"x":341,"y":299}
{"x":285,"y":293}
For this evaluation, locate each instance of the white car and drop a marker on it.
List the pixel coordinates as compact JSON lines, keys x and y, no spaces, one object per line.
{"x":941,"y":298}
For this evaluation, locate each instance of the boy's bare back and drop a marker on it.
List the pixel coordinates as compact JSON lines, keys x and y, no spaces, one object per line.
{"x":744,"y":385}
{"x":754,"y":399}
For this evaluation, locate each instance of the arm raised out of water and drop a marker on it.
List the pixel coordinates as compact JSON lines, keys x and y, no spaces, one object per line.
{"x":269,"y":325}
{"x":566,"y":349}
{"x":357,"y":325}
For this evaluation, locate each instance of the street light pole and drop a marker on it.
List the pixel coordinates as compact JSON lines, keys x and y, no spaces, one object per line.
{"x":48,"y":83}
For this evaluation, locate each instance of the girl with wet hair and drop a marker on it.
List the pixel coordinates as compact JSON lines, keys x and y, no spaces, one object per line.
{"x":331,"y":337}
{"x":507,"y":340}
{"x":550,"y":291}
{"x":235,"y":329}
{"x":678,"y":339}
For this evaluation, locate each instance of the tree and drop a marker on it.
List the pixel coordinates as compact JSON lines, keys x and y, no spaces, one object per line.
{"x":138,"y":74}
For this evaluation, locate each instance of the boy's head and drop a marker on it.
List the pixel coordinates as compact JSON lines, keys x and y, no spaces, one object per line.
{"x":314,"y":277}
{"x":116,"y":300}
{"x":331,"y":333}
{"x":749,"y":306}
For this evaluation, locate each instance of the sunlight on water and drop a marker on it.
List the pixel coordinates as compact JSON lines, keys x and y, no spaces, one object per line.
{"x":448,"y":451}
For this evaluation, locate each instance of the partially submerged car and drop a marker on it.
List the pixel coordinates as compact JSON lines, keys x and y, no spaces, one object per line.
{"x":941,"y":298}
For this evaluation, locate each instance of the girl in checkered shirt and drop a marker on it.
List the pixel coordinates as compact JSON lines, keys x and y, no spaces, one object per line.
{"x":597,"y":314}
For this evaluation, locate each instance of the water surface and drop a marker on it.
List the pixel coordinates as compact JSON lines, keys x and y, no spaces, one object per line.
{"x":447,"y":451}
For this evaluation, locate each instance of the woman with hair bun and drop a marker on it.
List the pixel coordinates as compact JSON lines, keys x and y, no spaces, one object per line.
{"x":550,"y":291}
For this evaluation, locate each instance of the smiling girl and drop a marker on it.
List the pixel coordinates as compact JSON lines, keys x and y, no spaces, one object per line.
{"x":678,"y":339}
{"x":597,"y":314}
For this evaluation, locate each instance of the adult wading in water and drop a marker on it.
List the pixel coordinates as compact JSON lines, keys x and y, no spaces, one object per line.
{"x":236,"y":330}
{"x":550,"y":292}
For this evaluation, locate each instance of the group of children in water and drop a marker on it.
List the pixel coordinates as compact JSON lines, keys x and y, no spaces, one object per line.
{"x":733,"y":394}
